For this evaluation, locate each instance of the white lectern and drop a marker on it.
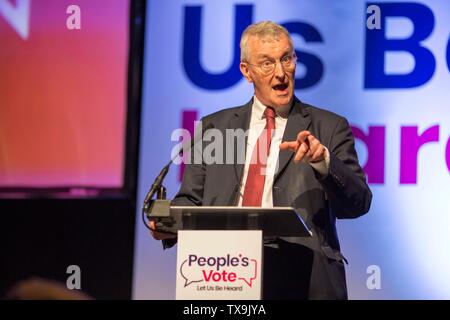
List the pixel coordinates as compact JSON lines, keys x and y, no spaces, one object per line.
{"x":220,"y":248}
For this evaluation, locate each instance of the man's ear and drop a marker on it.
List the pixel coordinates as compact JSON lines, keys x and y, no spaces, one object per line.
{"x":245,"y":71}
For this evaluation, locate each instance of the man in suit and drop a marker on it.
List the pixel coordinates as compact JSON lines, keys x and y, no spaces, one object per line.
{"x":308,"y":161}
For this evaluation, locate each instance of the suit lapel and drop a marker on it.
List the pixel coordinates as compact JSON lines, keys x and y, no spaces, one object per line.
{"x":298,"y":120}
{"x":241,"y":120}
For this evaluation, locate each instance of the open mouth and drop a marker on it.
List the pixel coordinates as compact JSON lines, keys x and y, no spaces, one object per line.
{"x":280,"y":87}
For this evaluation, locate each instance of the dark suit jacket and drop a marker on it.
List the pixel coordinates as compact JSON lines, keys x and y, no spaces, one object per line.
{"x":343,"y":193}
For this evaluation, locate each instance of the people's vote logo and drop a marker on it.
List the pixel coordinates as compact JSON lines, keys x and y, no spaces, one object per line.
{"x":233,"y":270}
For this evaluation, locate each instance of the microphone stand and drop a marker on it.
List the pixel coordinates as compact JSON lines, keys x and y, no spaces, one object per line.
{"x":159,"y":210}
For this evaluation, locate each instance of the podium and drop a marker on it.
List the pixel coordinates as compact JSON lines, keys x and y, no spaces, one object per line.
{"x":220,"y":249}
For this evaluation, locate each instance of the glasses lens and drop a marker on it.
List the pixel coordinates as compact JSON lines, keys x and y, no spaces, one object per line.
{"x":267,"y":67}
{"x":288,"y":61}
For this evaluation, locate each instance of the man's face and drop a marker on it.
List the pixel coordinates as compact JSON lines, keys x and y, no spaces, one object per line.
{"x":275,"y":89}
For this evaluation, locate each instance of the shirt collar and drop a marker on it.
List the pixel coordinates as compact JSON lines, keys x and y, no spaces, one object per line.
{"x":259,"y":108}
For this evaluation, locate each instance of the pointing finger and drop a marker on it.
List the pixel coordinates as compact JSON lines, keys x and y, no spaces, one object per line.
{"x":289,"y":145}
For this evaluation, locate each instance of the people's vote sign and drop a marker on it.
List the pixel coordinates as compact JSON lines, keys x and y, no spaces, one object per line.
{"x":219,"y":265}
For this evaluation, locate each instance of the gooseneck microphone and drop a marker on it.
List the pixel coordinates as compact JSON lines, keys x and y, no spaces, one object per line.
{"x":157,"y":184}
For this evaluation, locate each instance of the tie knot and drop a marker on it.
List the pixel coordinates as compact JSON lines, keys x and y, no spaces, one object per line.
{"x":269,"y":113}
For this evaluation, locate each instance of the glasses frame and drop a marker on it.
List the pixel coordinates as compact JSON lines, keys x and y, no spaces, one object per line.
{"x":292,"y":59}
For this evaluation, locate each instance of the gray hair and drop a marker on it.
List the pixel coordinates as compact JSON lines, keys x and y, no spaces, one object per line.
{"x":264,"y":29}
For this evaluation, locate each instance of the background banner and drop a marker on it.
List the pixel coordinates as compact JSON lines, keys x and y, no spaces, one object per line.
{"x":384,"y":65}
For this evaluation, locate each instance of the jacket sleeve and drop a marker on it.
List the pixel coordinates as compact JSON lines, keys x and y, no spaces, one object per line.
{"x":345,"y":185}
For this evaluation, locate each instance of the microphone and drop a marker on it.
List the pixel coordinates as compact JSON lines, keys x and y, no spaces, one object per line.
{"x":160,"y":178}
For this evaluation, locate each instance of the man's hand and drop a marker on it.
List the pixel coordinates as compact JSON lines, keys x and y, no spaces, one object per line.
{"x":159,"y":235}
{"x":306,"y":147}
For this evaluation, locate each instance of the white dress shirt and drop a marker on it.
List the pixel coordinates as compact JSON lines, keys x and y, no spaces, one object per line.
{"x":257,"y":125}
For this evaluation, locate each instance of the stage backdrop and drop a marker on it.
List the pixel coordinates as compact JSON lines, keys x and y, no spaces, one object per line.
{"x":384,"y":65}
{"x":63,"y":84}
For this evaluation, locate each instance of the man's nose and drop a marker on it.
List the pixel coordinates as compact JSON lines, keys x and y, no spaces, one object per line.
{"x":279,"y":71}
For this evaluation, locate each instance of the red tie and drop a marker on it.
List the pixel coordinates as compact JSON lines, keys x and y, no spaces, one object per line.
{"x":254,"y":185}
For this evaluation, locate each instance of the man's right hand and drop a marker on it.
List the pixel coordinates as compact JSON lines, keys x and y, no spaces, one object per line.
{"x":159,"y":235}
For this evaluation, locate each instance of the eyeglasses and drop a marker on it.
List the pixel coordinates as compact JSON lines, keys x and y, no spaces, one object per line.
{"x":268,"y":66}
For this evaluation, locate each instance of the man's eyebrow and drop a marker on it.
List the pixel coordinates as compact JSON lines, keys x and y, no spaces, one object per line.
{"x":264,"y":56}
{"x":286,"y":52}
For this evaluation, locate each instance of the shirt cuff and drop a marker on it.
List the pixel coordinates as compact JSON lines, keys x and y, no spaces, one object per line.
{"x":322,"y":167}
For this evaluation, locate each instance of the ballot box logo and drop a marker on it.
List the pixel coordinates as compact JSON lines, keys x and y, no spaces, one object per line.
{"x":230,"y":270}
